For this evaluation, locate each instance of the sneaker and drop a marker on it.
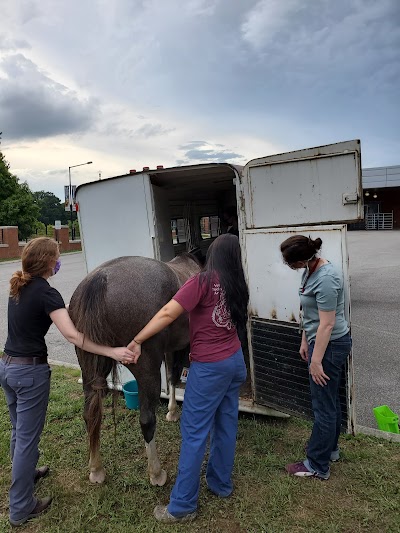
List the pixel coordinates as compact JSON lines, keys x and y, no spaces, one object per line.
{"x":335,"y":455}
{"x":162,"y":514}
{"x":300,"y":470}
{"x":40,"y":507}
{"x":41,"y":473}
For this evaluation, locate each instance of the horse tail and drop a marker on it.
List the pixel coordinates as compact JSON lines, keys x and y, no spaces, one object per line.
{"x":88,"y":312}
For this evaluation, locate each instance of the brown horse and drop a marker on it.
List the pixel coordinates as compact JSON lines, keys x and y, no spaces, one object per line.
{"x":111,"y":305}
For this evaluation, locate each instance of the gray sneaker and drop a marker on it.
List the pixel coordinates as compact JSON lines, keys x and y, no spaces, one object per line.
{"x":41,"y":507}
{"x":335,"y":455}
{"x":162,"y":514}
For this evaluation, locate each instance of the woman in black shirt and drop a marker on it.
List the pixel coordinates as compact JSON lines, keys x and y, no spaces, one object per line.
{"x":24,"y":372}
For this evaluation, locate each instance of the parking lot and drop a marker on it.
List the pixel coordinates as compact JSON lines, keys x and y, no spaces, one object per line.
{"x":375,"y":300}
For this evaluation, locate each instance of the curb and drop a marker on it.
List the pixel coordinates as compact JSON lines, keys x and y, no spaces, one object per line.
{"x":393,"y":437}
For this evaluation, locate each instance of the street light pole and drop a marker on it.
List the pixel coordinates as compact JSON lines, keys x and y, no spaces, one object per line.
{"x":70,"y":196}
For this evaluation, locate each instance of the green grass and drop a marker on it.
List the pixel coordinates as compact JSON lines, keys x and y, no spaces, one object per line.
{"x":363,"y":493}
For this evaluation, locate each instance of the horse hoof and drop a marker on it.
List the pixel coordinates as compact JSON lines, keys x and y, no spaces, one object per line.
{"x":97,"y":477}
{"x":172,"y":416}
{"x":160,"y":479}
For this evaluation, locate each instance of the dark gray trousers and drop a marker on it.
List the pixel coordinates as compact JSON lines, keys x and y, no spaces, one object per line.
{"x":27,"y":390}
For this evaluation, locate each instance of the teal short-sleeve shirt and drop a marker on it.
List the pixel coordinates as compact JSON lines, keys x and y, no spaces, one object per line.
{"x":323,"y":292}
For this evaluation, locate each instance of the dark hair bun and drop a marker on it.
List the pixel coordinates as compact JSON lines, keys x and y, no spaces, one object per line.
{"x":317,"y":244}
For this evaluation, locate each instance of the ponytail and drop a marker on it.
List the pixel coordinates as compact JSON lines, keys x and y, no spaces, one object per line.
{"x":18,"y":280}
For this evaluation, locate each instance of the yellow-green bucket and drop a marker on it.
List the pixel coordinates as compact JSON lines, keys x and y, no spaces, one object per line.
{"x":387,"y":420}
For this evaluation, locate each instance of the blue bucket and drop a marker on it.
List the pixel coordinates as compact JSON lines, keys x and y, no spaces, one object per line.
{"x":130,"y":390}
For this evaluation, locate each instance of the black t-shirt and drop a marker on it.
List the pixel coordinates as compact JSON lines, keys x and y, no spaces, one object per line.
{"x":29,"y":320}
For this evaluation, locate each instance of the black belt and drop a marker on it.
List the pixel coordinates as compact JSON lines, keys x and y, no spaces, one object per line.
{"x":24,"y":360}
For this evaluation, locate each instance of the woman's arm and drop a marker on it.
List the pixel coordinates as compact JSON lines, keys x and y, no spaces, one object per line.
{"x":165,"y":316}
{"x":304,"y":347}
{"x":64,"y":324}
{"x":327,"y":321}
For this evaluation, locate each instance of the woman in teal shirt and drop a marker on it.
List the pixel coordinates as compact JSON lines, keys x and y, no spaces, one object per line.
{"x":325,"y":346}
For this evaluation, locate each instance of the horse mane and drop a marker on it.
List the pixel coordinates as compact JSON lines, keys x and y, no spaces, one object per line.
{"x":184,"y":265}
{"x":184,"y":256}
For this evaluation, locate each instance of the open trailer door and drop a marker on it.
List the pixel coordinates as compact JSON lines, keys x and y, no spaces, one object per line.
{"x":302,"y":192}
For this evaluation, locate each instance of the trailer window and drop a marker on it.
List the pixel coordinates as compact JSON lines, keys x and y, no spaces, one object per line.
{"x":178,"y":230}
{"x":209,"y":227}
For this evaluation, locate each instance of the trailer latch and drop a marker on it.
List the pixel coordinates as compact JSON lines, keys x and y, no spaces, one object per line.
{"x":351,"y":198}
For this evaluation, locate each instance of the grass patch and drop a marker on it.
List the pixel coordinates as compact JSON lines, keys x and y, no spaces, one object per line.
{"x":5,"y":259}
{"x":363,"y":493}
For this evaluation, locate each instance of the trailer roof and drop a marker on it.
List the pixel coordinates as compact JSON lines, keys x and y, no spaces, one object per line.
{"x":194,"y":177}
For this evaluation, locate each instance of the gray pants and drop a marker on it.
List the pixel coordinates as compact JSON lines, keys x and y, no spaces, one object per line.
{"x":27,"y":390}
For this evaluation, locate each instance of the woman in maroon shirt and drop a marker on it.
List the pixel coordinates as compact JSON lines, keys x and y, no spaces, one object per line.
{"x":216,"y":300}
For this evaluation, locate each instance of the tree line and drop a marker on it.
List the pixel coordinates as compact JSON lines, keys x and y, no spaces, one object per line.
{"x":21,"y":207}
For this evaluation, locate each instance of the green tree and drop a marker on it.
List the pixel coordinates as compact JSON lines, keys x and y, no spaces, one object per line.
{"x":51,"y":208}
{"x":17,"y":205}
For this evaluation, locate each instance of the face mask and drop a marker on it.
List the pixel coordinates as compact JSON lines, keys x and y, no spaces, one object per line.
{"x":56,"y":267}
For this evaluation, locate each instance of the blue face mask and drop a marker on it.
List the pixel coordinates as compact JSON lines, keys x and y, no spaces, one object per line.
{"x":57,"y":267}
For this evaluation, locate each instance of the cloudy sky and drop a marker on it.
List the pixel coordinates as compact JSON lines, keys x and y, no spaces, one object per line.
{"x":129,"y":83}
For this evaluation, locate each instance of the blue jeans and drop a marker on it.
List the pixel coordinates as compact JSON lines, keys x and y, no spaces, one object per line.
{"x":211,"y":406}
{"x":326,"y":406}
{"x":26,"y":388}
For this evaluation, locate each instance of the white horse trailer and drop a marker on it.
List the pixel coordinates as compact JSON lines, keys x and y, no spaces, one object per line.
{"x":159,"y":213}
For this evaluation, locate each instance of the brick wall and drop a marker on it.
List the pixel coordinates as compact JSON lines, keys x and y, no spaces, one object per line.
{"x":9,"y":244}
{"x":11,"y":248}
{"x":62,"y":237}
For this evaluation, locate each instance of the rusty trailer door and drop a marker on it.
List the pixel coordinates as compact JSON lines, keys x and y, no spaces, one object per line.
{"x":310,"y":192}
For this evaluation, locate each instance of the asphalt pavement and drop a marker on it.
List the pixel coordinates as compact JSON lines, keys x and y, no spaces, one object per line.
{"x":375,"y":304}
{"x":375,"y":301}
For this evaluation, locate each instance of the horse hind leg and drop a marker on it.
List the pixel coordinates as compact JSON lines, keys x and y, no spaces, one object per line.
{"x":149,"y":384}
{"x":173,"y":413}
{"x":157,"y":475}
{"x":174,"y":365}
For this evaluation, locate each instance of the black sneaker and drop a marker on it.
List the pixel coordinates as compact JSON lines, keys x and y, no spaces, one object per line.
{"x":41,"y":473}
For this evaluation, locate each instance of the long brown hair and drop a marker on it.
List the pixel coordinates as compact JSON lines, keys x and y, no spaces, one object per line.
{"x":36,"y":257}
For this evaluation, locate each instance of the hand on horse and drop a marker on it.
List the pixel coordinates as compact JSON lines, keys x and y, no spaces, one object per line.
{"x":123,"y":355}
{"x":136,"y":349}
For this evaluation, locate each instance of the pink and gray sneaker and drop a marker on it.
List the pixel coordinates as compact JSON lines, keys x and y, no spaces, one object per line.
{"x":300,"y":470}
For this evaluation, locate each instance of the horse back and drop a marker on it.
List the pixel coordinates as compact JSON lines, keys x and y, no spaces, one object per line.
{"x":119,"y":297}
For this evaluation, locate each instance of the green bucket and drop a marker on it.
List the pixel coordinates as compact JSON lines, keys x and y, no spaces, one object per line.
{"x":130,"y":390}
{"x":387,"y":420}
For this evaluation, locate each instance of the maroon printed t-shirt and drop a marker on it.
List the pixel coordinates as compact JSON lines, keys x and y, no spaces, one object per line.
{"x":213,"y":336}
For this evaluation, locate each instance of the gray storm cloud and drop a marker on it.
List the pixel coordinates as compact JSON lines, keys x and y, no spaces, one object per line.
{"x":34,"y":106}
